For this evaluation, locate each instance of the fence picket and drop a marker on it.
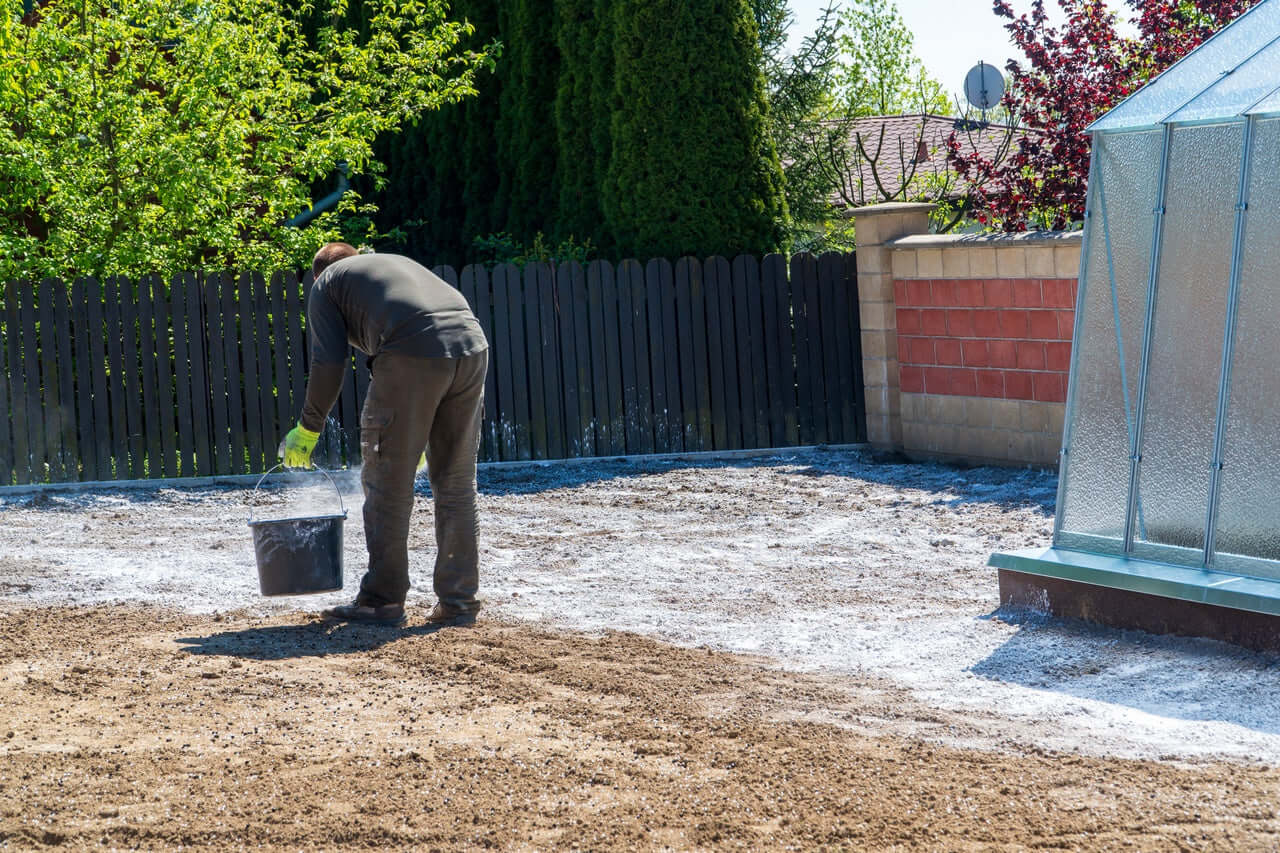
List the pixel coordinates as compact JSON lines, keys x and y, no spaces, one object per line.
{"x":36,"y":421}
{"x":684,"y":347}
{"x":519,"y":354}
{"x":661,"y":270}
{"x":183,"y":370}
{"x":280,"y":365}
{"x":745,"y":276}
{"x":92,"y":374}
{"x":234,"y":374}
{"x":657,"y":350}
{"x":603,"y":412}
{"x":198,"y":355}
{"x":566,"y":311}
{"x":830,"y":281}
{"x":842,"y":343}
{"x":716,"y":349}
{"x":147,"y":357}
{"x":586,"y":435}
{"x":6,"y":405}
{"x":478,"y":276}
{"x":147,"y":370}
{"x":164,"y":379}
{"x":446,"y":274}
{"x":854,"y":414}
{"x":130,"y":322}
{"x":269,"y":428}
{"x":220,"y":436}
{"x":82,"y":391}
{"x":116,"y":399}
{"x":813,"y":331}
{"x":700,"y":336}
{"x":296,"y":314}
{"x":759,"y":372}
{"x":801,"y":271}
{"x":613,"y":359}
{"x":243,"y":322}
{"x":69,"y":445}
{"x":17,"y":376}
{"x":550,"y":383}
{"x":533,"y":297}
{"x":501,"y":349}
{"x":52,"y":457}
{"x":637,"y":402}
{"x":777,"y":349}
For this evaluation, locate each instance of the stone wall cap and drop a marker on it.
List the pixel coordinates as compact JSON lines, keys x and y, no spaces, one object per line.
{"x":892,"y":207}
{"x":1024,"y":238}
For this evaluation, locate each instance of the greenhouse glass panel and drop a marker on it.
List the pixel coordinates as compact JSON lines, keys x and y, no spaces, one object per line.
{"x":1269,"y":104}
{"x":1238,"y":91}
{"x":1197,"y":71}
{"x":1180,"y":410}
{"x":1248,"y":521}
{"x":1113,"y":306}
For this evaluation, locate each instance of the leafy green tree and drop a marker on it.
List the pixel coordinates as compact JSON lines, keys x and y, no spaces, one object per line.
{"x":693,"y":167}
{"x":839,"y":150}
{"x":880,"y":73}
{"x":157,"y":136}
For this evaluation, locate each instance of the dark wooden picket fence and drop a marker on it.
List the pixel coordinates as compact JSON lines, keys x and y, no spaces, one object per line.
{"x":202,"y":374}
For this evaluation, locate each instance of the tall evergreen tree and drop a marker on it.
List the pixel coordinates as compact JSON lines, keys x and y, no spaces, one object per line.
{"x":526,"y":134}
{"x":693,"y":168}
{"x":441,"y":173}
{"x":579,"y":36}
{"x":602,"y":108}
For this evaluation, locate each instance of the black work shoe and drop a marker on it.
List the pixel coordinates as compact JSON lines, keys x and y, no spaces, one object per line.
{"x":386,"y":614}
{"x":448,"y":617}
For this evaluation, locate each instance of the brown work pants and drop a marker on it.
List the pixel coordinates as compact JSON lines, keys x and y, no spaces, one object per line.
{"x":415,"y":403}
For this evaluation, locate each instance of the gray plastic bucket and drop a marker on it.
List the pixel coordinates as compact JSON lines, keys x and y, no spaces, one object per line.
{"x":299,"y":556}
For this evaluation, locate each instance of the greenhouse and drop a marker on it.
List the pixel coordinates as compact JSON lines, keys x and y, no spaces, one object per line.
{"x":1169,"y":483}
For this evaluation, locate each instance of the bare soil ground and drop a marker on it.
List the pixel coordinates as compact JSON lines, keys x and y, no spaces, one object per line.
{"x":137,"y":727}
{"x":796,"y":652}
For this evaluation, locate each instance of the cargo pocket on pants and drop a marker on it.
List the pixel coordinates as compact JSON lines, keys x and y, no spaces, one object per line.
{"x":373,"y":426}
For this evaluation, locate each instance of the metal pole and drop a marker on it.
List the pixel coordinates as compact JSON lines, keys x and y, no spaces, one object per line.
{"x":1148,"y":330}
{"x":1092,"y":201}
{"x":1228,"y":342}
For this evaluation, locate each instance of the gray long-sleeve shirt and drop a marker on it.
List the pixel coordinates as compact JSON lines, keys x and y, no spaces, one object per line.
{"x":380,"y":303}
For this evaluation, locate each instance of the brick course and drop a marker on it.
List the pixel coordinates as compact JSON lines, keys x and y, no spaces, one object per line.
{"x":1006,"y":338}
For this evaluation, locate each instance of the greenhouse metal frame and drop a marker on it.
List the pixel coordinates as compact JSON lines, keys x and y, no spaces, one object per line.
{"x":1169,"y":478}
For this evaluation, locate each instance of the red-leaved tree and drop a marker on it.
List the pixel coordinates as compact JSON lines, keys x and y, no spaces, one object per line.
{"x":1073,"y":73}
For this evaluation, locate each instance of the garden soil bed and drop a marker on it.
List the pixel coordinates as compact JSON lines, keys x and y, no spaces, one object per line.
{"x":797,"y":651}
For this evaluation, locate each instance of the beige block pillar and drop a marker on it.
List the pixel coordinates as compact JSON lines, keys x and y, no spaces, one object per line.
{"x":875,"y":226}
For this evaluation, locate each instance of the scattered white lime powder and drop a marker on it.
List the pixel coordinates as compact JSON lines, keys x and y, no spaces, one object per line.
{"x":823,"y":561}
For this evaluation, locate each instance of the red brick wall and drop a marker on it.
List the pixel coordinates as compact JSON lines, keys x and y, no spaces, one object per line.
{"x":1008,"y":338}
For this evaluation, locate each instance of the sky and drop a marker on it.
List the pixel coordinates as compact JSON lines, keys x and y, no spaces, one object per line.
{"x":951,"y":36}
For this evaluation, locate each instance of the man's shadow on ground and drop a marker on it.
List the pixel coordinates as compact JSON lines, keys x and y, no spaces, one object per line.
{"x":315,"y":639}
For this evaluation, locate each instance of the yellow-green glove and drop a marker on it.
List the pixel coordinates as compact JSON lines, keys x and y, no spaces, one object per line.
{"x":296,"y":448}
{"x":422,"y":462}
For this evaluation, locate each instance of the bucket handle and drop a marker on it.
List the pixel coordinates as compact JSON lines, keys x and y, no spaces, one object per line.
{"x":342,"y":506}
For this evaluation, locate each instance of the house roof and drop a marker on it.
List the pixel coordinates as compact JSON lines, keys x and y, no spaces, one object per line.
{"x":1233,"y":74}
{"x":886,"y":152}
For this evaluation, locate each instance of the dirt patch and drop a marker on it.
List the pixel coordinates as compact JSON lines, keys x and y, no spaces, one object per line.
{"x":842,"y":563}
{"x":126,"y":726}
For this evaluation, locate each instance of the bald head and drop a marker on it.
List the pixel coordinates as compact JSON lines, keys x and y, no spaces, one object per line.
{"x":330,"y":253}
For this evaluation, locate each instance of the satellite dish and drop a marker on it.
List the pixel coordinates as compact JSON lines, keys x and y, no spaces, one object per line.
{"x":984,"y":86}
